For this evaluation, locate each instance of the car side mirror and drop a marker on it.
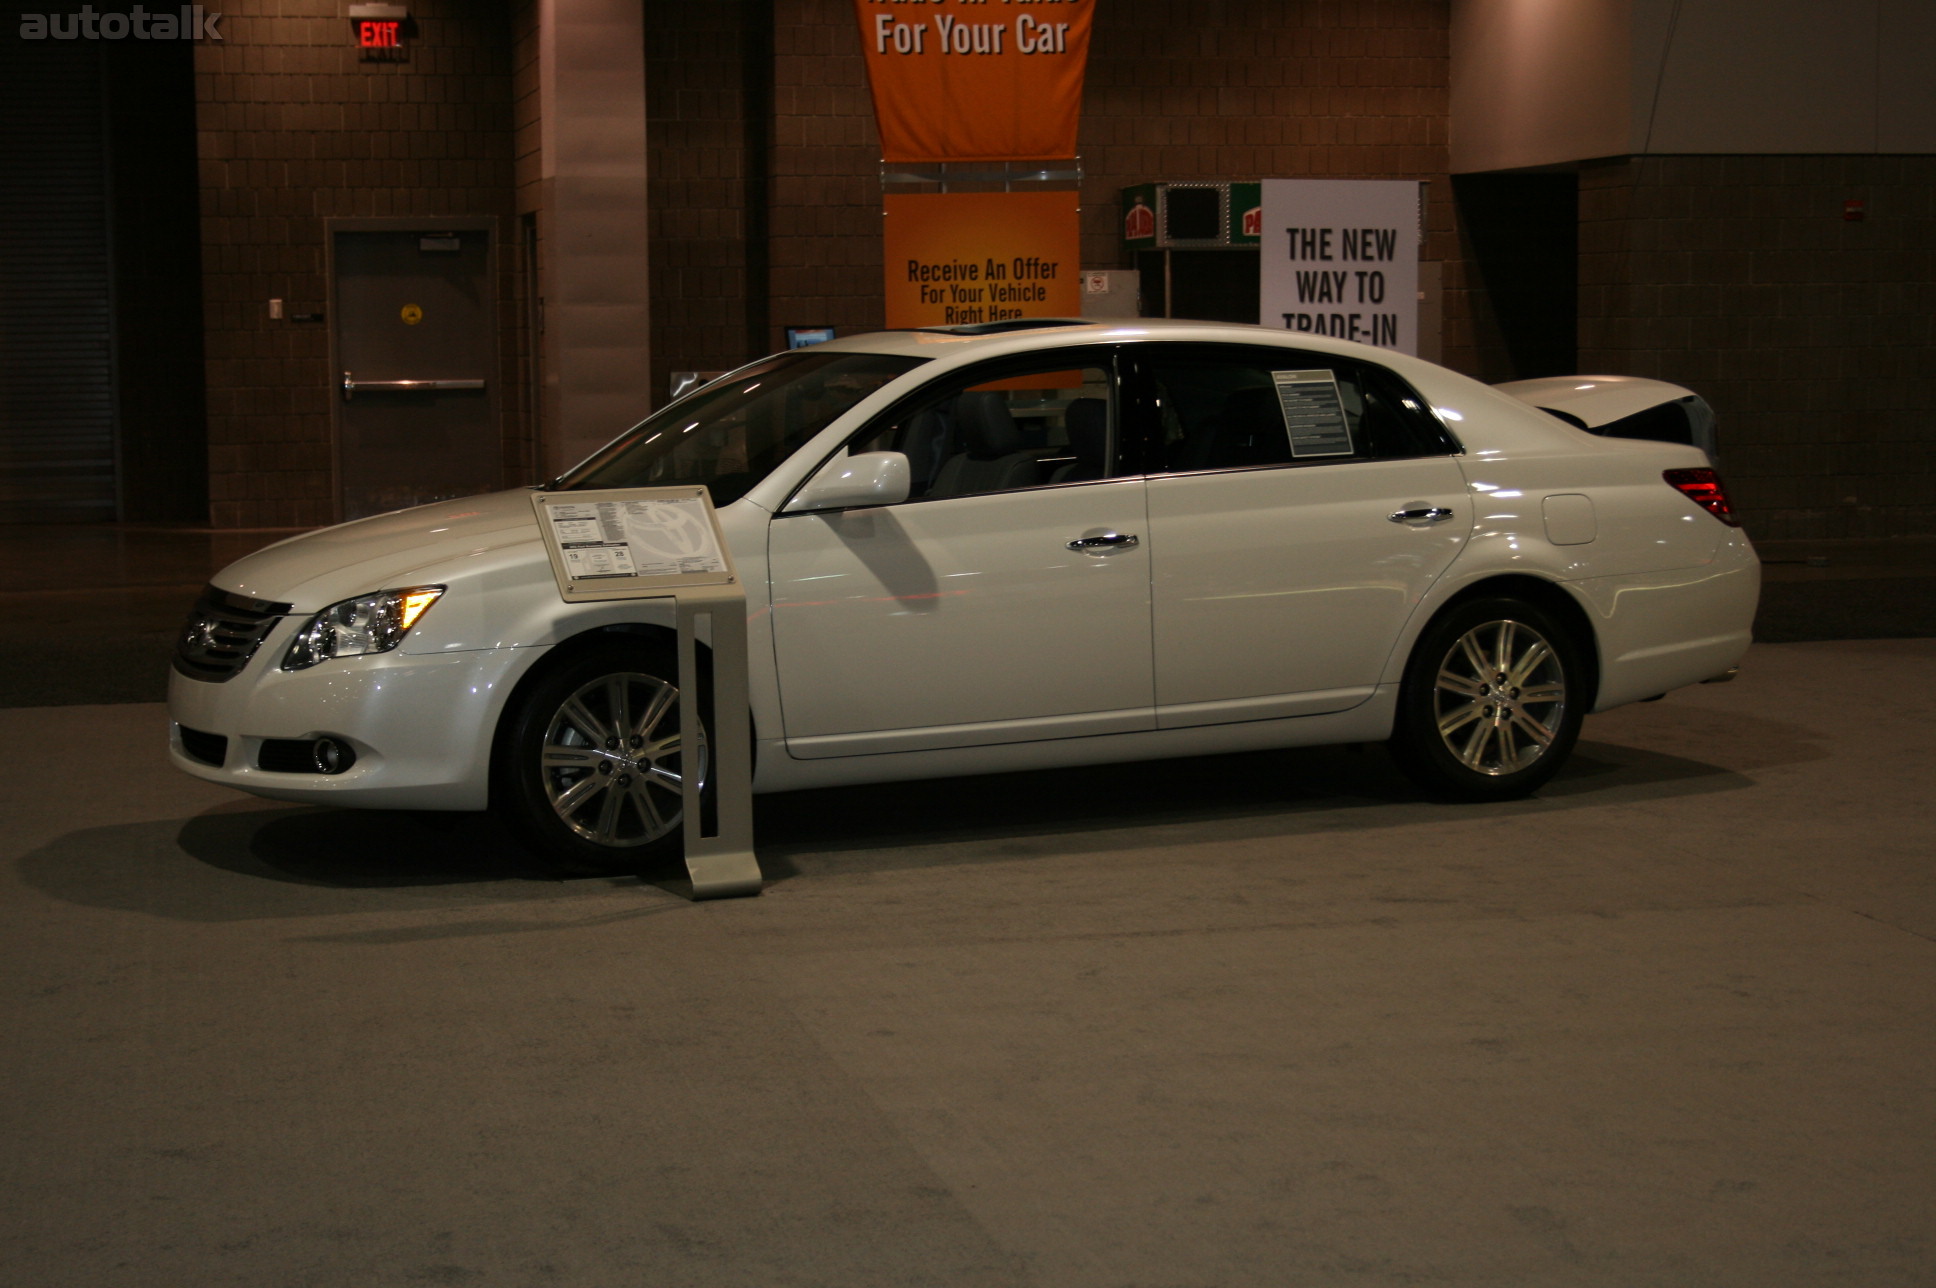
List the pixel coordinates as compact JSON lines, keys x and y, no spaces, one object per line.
{"x":866,"y":478}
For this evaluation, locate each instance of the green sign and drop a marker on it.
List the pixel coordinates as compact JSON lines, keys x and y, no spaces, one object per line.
{"x":1145,"y":210}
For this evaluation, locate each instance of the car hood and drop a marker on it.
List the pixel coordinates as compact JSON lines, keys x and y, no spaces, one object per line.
{"x":410,"y":547}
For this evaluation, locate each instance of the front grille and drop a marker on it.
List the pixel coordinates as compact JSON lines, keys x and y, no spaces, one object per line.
{"x":209,"y":748}
{"x":222,"y":633}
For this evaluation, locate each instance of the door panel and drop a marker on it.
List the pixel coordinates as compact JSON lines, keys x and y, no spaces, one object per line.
{"x":963,"y":621}
{"x":1280,"y":591}
{"x":416,"y":307}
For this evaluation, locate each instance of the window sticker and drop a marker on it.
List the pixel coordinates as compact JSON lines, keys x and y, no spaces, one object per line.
{"x":1314,"y":413}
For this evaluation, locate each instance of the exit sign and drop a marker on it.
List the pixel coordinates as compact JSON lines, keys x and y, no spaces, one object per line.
{"x":381,"y":32}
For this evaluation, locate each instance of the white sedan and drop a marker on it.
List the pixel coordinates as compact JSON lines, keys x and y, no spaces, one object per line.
{"x":995,"y":548}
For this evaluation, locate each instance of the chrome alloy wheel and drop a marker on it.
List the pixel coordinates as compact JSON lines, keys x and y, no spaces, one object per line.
{"x":1499,"y":697}
{"x":612,"y":764}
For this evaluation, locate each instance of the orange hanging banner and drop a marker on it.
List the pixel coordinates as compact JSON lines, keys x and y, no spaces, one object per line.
{"x":961,"y":258}
{"x":966,"y":80}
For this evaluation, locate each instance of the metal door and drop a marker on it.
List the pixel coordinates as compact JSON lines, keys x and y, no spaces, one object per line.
{"x":416,"y":416}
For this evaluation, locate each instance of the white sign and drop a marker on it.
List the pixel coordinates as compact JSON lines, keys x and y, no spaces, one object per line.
{"x":1340,"y":258}
{"x":1313,"y":413}
{"x":629,"y":542}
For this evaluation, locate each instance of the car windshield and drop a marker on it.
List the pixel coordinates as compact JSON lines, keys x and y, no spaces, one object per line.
{"x":729,"y":435}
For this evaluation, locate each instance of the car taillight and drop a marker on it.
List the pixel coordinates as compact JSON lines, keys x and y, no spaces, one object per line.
{"x":1703,"y":487}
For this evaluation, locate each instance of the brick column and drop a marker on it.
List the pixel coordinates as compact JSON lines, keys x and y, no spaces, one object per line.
{"x":593,"y":278}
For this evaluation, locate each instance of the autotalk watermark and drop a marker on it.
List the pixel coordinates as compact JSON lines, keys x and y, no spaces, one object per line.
{"x":189,"y":22}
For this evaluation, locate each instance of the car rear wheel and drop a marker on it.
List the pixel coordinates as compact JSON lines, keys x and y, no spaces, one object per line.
{"x":1492,"y":701}
{"x":591,"y":767}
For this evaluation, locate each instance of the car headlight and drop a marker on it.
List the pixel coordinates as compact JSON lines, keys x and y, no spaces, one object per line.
{"x":373,"y":623}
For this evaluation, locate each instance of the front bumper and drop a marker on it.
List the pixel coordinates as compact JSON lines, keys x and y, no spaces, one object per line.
{"x":421,"y":725}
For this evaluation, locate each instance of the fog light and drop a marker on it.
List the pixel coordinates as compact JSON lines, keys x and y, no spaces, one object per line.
{"x":331,"y":756}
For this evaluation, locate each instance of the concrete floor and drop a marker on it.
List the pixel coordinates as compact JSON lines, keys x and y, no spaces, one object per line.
{"x":1269,"y":1020}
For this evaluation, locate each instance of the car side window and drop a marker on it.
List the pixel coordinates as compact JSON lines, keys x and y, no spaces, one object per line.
{"x":1213,"y":409}
{"x":1001,"y":427}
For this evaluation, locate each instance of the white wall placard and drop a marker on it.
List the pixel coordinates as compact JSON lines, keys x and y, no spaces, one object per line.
{"x":1340,"y":258}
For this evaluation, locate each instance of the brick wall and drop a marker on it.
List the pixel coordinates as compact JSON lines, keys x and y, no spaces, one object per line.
{"x":293,"y":130}
{"x":526,"y":105}
{"x":524,"y":250}
{"x":825,"y":217}
{"x":705,"y":171}
{"x":1225,"y":89}
{"x":1814,"y":337}
{"x":1246,"y":89}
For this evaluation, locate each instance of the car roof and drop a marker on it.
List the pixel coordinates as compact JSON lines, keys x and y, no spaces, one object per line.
{"x":1508,"y":422}
{"x":1034,"y":335}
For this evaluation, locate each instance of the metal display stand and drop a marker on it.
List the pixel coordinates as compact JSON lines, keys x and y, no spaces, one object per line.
{"x":665,"y":543}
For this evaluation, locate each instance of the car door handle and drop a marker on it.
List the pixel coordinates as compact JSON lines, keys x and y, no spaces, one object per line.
{"x":1423,"y":514}
{"x":1103,"y":542}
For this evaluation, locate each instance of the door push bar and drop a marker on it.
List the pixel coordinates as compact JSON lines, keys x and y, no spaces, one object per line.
{"x":351,"y":385}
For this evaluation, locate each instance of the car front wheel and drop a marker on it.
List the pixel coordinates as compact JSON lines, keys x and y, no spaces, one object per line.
{"x":1492,"y":701}
{"x":591,"y":767}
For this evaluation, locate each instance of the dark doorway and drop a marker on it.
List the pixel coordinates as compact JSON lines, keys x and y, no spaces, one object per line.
{"x":416,"y":413}
{"x":159,"y":378}
{"x":101,"y":379}
{"x":1522,"y":238}
{"x":1204,"y":285}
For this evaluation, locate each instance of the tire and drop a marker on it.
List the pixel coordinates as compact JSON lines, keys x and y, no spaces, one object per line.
{"x":589,"y":767}
{"x":1492,"y":701}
